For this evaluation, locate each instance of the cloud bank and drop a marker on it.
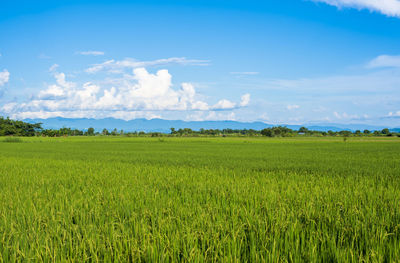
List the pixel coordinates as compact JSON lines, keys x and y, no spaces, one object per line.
{"x":386,"y":7}
{"x":117,"y":66}
{"x":142,"y":93}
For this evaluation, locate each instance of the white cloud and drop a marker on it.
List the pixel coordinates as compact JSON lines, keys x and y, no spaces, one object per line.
{"x":245,"y":100}
{"x":346,"y":116}
{"x":4,"y":77}
{"x":395,"y":114}
{"x":52,"y":91}
{"x":337,"y":115}
{"x":386,"y":7}
{"x":245,"y":73}
{"x":385,"y":61}
{"x":140,"y":92}
{"x":117,"y":66}
{"x":224,"y":104}
{"x":53,"y":67}
{"x":91,"y":53}
{"x":292,"y":107}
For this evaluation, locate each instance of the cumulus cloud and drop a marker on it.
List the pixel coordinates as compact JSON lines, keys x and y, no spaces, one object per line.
{"x":140,"y":92}
{"x":292,"y":107}
{"x":52,"y":92}
{"x":385,"y":61}
{"x":59,"y":90}
{"x":224,"y":104}
{"x":4,"y":77}
{"x":386,"y":7}
{"x":245,"y":100}
{"x":117,"y":66}
{"x":91,"y":53}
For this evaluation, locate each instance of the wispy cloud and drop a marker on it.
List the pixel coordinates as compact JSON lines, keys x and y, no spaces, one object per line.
{"x":241,"y":73}
{"x":351,"y":96}
{"x":43,"y":56}
{"x":90,"y":53}
{"x":344,"y":115}
{"x":385,"y":61}
{"x":292,"y":107}
{"x":382,"y":81}
{"x":393,"y":115}
{"x":53,"y":67}
{"x":117,"y":66}
{"x":386,"y":7}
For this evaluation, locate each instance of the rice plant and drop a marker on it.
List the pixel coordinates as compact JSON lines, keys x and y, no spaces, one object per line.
{"x":200,"y":199}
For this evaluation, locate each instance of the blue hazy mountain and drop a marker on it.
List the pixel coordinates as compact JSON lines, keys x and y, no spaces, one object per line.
{"x":160,"y":125}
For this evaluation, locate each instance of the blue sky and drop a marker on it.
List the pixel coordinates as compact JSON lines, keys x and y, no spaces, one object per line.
{"x":281,"y":62}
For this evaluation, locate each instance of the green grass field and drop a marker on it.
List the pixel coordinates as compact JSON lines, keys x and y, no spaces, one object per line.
{"x":200,"y":199}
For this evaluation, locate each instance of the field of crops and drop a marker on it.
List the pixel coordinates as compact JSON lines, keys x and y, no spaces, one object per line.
{"x":200,"y":199}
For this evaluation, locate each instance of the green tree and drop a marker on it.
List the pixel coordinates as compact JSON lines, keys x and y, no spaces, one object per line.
{"x":385,"y":131}
{"x":90,"y":131}
{"x":345,"y":133}
{"x":268,"y":132}
{"x":303,"y":130}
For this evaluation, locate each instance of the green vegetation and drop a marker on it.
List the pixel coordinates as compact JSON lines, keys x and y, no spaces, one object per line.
{"x":200,"y":199}
{"x":18,"y":128}
{"x":10,"y":127}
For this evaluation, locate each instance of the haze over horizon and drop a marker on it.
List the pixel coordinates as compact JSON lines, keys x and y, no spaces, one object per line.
{"x":288,"y":61}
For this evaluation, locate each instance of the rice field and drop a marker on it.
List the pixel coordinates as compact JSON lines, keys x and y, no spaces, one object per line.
{"x":118,"y":199}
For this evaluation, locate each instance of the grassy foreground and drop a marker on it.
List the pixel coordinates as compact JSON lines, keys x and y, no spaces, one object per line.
{"x":200,"y":199}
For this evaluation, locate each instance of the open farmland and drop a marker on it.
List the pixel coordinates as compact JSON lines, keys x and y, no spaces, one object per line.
{"x":200,"y":199}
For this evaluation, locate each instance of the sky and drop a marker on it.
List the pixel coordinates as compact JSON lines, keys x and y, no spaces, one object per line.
{"x":279,"y":62}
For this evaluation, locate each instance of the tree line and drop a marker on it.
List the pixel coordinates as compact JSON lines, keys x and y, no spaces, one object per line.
{"x":10,"y":127}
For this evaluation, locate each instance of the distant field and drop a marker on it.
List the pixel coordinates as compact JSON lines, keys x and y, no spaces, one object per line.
{"x":200,"y":199}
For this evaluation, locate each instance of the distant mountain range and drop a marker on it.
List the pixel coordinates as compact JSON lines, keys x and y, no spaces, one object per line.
{"x":160,"y":125}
